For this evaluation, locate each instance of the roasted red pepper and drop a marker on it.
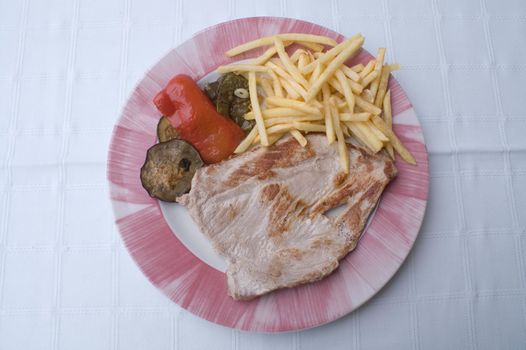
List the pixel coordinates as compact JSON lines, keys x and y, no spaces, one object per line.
{"x":194,"y":116}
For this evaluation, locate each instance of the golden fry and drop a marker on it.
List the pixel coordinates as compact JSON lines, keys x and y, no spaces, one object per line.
{"x":358,"y":67}
{"x":384,"y":82}
{"x":267,"y":88}
{"x":349,"y":97}
{"x":285,"y":37}
{"x":351,"y":74}
{"x":291,"y":68}
{"x":342,"y":146}
{"x":309,"y":127}
{"x":378,"y":69}
{"x":241,"y":68}
{"x":300,"y":106}
{"x":327,"y":113}
{"x":311,"y":46}
{"x":278,"y":91}
{"x":256,"y":109}
{"x":372,"y":143}
{"x":367,"y":106}
{"x":395,"y":141}
{"x":247,"y":141}
{"x":388,"y":117}
{"x":368,"y":69}
{"x":331,"y":54}
{"x":288,"y":120}
{"x":293,"y":94}
{"x":369,"y":78}
{"x":355,"y":117}
{"x":299,"y":137}
{"x":333,"y":66}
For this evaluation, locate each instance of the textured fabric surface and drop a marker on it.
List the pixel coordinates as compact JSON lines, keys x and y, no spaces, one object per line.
{"x":66,"y":282}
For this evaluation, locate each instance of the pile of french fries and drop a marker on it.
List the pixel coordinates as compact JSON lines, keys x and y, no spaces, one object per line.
{"x":312,"y":90}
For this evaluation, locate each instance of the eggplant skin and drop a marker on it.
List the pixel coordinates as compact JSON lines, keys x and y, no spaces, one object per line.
{"x":165,"y":131}
{"x":169,"y":168}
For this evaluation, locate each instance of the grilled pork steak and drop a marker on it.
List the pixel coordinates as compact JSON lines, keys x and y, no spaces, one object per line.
{"x":264,"y":211}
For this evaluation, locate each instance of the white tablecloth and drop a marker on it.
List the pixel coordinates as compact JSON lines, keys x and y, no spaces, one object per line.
{"x":66,"y":282}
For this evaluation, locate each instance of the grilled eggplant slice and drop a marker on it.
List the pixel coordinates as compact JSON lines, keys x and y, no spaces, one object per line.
{"x":165,"y":130}
{"x":169,"y":168}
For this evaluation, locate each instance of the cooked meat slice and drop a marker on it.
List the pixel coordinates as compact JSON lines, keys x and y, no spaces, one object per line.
{"x":264,"y":211}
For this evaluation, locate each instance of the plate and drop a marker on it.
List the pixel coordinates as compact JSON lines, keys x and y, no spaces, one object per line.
{"x":175,"y":257}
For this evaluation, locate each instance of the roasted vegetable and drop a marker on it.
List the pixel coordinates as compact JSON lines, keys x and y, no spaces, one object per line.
{"x":165,"y":131}
{"x":195,"y":118}
{"x":168,"y":169}
{"x":211,"y":90}
{"x":226,"y":93}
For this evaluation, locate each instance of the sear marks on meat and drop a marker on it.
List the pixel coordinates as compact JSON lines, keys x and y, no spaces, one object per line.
{"x":264,"y":211}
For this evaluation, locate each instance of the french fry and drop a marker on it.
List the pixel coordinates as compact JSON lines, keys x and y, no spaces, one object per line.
{"x":378,"y":69}
{"x":296,"y":55}
{"x":369,"y":78}
{"x":349,"y":97}
{"x":272,"y":139}
{"x":355,"y":87}
{"x":373,"y":144}
{"x":299,"y":137}
{"x":315,"y":73}
{"x":351,"y":74}
{"x":316,"y":103}
{"x":384,"y":81}
{"x":333,"y":66}
{"x":367,"y":95}
{"x":241,"y":68}
{"x":310,"y":127}
{"x":370,"y":136}
{"x":267,"y":88}
{"x":308,"y":38}
{"x":276,"y":84}
{"x":278,"y":112}
{"x":367,"y":106}
{"x":271,"y":51}
{"x":376,"y":132}
{"x":327,"y":113}
{"x":300,"y":106}
{"x":331,"y":54}
{"x":339,"y":101}
{"x":285,"y":59}
{"x":342,"y":146}
{"x":288,"y":120}
{"x":279,"y":128}
{"x":335,"y":84}
{"x":311,"y":46}
{"x":247,"y":141}
{"x":255,"y":107}
{"x":302,"y":61}
{"x":358,"y":67}
{"x":278,"y":70}
{"x":291,"y":92}
{"x":367,"y":69}
{"x":345,"y":130}
{"x":388,"y":117}
{"x":292,"y":83}
{"x":355,"y":117}
{"x":285,"y":37}
{"x":395,"y":141}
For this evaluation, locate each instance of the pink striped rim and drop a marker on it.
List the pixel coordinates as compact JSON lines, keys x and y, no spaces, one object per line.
{"x":201,"y":289}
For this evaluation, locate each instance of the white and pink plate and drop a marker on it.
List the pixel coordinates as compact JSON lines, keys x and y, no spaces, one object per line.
{"x":177,"y":259}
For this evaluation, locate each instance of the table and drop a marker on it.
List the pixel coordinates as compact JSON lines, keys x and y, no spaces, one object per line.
{"x":66,"y":282}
